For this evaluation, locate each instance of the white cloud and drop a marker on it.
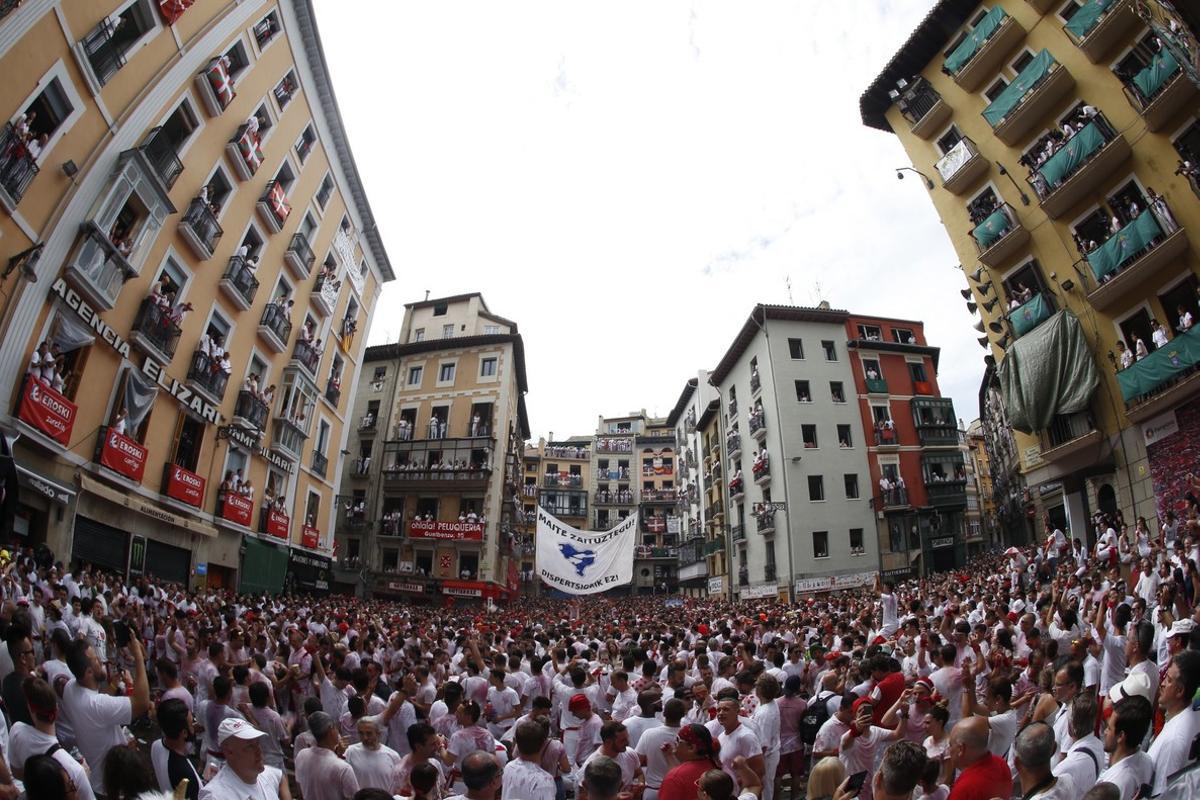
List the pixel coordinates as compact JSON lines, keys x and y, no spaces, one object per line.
{"x":626,"y":180}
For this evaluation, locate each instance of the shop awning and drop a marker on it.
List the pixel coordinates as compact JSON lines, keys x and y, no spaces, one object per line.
{"x":1077,"y":150}
{"x":975,"y":40}
{"x":1033,"y":74}
{"x":136,"y":503}
{"x":51,"y":490}
{"x":1086,"y":17}
{"x":1124,"y":244}
{"x":1047,"y":372}
{"x":1162,"y":366}
{"x":1160,"y":70}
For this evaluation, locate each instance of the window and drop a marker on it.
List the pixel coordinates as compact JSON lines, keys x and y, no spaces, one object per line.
{"x":491,"y":330}
{"x":468,"y":565}
{"x":845,"y":437}
{"x":851,"y":484}
{"x":856,"y":542}
{"x":446,"y":373}
{"x":380,"y":373}
{"x":419,"y":335}
{"x":414,"y":376}
{"x":836,"y":392}
{"x":995,"y":89}
{"x":440,"y":310}
{"x":982,"y":205}
{"x":447,"y":331}
{"x":110,"y":42}
{"x":948,"y":141}
{"x":285,"y":90}
{"x":324,"y":193}
{"x":266,"y":29}
{"x":830,"y":350}
{"x":322,"y":437}
{"x":487,"y":368}
{"x":189,"y":438}
{"x":871,"y":333}
{"x":285,"y":177}
{"x":903,"y":336}
{"x":304,"y":146}
{"x":917,"y":371}
{"x":1020,"y":62}
{"x":816,"y":488}
{"x":49,"y":114}
{"x":820,"y":544}
{"x":803,"y":395}
{"x":239,"y":62}
{"x":1068,"y":11}
{"x":809,"y":434}
{"x":796,"y":348}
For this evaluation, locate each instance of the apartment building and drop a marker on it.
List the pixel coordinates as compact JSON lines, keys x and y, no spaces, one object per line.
{"x":917,"y":475}
{"x":436,"y":491}
{"x":694,"y":468}
{"x":1059,"y":141}
{"x":980,"y":468}
{"x":557,"y":476}
{"x":796,"y":500}
{"x":192,"y":265}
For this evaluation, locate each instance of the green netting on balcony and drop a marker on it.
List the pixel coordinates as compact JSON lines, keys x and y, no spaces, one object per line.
{"x":992,"y":229}
{"x":1161,"y":69}
{"x":1048,"y":372}
{"x":1162,"y":366}
{"x":975,"y":40}
{"x":1063,"y":164}
{"x":1029,"y":79}
{"x":1030,"y":314}
{"x":1086,"y":18}
{"x":1124,"y":245}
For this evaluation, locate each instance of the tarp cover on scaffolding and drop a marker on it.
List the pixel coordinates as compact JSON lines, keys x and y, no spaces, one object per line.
{"x":1047,"y":372}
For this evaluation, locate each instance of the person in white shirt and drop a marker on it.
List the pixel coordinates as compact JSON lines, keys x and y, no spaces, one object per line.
{"x":376,"y":766}
{"x":860,"y":743}
{"x":27,"y":740}
{"x":524,"y":776}
{"x":736,"y":739}
{"x":504,"y":704}
{"x":622,"y":696}
{"x":765,"y":721}
{"x":614,"y":745}
{"x":652,"y":744}
{"x":1032,"y":751}
{"x":891,"y":622}
{"x":1085,"y":757}
{"x":1129,"y":768}
{"x":1002,"y":720}
{"x":1171,"y":748}
{"x":320,"y":773}
{"x":244,"y":775}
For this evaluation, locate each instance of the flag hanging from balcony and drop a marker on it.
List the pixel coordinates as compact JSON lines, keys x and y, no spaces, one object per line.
{"x":584,"y":562}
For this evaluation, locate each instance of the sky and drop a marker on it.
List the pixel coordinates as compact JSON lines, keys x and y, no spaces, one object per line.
{"x":626,"y":180}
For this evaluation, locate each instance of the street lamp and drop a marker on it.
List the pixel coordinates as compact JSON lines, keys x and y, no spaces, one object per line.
{"x":900,"y":176}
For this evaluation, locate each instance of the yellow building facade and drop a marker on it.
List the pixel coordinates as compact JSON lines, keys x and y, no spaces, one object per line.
{"x":1054,"y":138}
{"x":194,"y":265}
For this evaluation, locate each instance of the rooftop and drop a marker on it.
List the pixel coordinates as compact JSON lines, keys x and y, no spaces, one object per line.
{"x":758,"y":317}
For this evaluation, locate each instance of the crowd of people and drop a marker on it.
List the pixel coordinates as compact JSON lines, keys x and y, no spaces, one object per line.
{"x":1058,"y":672}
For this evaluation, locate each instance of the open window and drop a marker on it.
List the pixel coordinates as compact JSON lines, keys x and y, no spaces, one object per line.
{"x":872,"y":333}
{"x":995,"y":90}
{"x":325,"y":192}
{"x":189,"y":439}
{"x":220,"y":189}
{"x":982,"y":205}
{"x":948,"y":140}
{"x":1024,"y":283}
{"x":304,"y":146}
{"x":266,"y":29}
{"x":312,"y":509}
{"x":903,"y":336}
{"x":285,"y":90}
{"x":106,"y":46}
{"x":1138,"y":57}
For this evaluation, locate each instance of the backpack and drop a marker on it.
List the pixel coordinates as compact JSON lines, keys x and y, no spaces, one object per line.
{"x":814,"y":717}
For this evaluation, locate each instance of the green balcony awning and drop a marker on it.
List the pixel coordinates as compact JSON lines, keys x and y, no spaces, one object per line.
{"x":1086,"y":18}
{"x":1029,"y":79}
{"x":1030,"y":314}
{"x":975,"y":40}
{"x":1163,"y":365}
{"x":1047,"y":372}
{"x":992,"y":229}
{"x":1161,"y":69}
{"x":1127,"y":242}
{"x":1080,"y":147}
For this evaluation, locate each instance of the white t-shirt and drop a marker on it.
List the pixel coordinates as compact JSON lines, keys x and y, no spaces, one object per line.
{"x":25,"y":740}
{"x":98,"y":720}
{"x":1003,"y":732}
{"x":1169,"y":751}
{"x":1129,"y":774}
{"x":1079,"y":765}
{"x":891,"y":622}
{"x":524,"y":779}
{"x":741,"y":742}
{"x":226,"y":785}
{"x":375,"y":769}
{"x":650,"y":747}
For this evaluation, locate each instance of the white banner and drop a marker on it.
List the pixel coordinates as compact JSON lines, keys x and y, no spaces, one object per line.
{"x":584,"y":562}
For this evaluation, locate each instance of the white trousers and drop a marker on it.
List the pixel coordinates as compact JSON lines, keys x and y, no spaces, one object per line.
{"x":771,"y":762}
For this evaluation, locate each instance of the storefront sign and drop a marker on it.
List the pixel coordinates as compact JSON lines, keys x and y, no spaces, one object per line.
{"x":436,"y":529}
{"x":276,"y":523}
{"x":123,"y":455}
{"x":830,"y":583}
{"x":945,"y":541}
{"x":185,"y":486}
{"x":47,"y":411}
{"x":716,"y":585}
{"x":309,"y":536}
{"x":307,"y":572}
{"x":899,"y":574}
{"x":182,"y":393}
{"x":811,"y":585}
{"x":50,"y":490}
{"x":760,"y":591}
{"x":405,"y":586}
{"x":237,"y":508}
{"x":137,"y":555}
{"x":90,"y":317}
{"x":471,"y":589}
{"x":1160,"y":427}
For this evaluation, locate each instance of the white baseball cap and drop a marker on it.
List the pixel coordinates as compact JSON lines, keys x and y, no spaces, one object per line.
{"x":1136,"y":684}
{"x":1182,"y":627}
{"x":237,"y":728}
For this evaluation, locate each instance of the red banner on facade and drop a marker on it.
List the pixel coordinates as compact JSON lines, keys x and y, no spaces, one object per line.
{"x":184,"y":486}
{"x":47,"y":411}
{"x":237,"y":508}
{"x":123,"y":455}
{"x":436,"y":529}
{"x":309,"y":537}
{"x":277,"y":524}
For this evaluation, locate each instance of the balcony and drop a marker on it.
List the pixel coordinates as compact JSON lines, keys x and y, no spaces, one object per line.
{"x":415,"y":477}
{"x":605,"y":444}
{"x":1000,"y":237}
{"x":159,"y":150}
{"x":1080,"y":166}
{"x":239,"y":284}
{"x":274,"y":208}
{"x":1134,"y":258}
{"x":733,"y":446}
{"x":200,"y":229}
{"x":758,"y":426}
{"x":733,"y":407}
{"x":981,"y":54}
{"x":737,"y":533}
{"x":207,"y":378}
{"x":737,"y":490}
{"x":623,"y":497}
{"x":299,"y":257}
{"x":288,"y":439}
{"x":250,"y":411}
{"x":1160,"y":90}
{"x":924,"y":108}
{"x":18,"y":167}
{"x":244,"y":152}
{"x":755,"y":382}
{"x":352,"y":513}
{"x":659,"y":496}
{"x":1069,"y":435}
{"x":104,"y":54}
{"x":1100,"y":25}
{"x":275,"y":328}
{"x":1162,"y":380}
{"x":949,"y":491}
{"x":762,"y":472}
{"x":764,"y":524}
{"x":886,"y":437}
{"x":876,"y":386}
{"x":320,"y":463}
{"x":961,"y":167}
{"x":392,"y":526}
{"x":555,"y":481}
{"x":360,"y":467}
{"x":325,"y":294}
{"x":98,"y":269}
{"x":1031,"y":313}
{"x":1032,"y":95}
{"x":935,"y":421}
{"x":769,"y":572}
{"x":308,"y":356}
{"x":714,"y":510}
{"x":215,"y":87}
{"x":714,"y":546}
{"x":743,"y":577}
{"x":333,"y":392}
{"x":154,"y":332}
{"x":893,"y":498}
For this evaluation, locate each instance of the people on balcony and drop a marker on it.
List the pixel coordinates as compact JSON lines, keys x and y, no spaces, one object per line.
{"x":1158,"y":334}
{"x":328,"y":274}
{"x":476,"y":423}
{"x":1125,"y":356}
{"x":761,"y":462}
{"x":403,"y":430}
{"x":1185,"y":319}
{"x":368,"y":420}
{"x":437,"y":428}
{"x":1139,"y":347}
{"x":1162,"y":213}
